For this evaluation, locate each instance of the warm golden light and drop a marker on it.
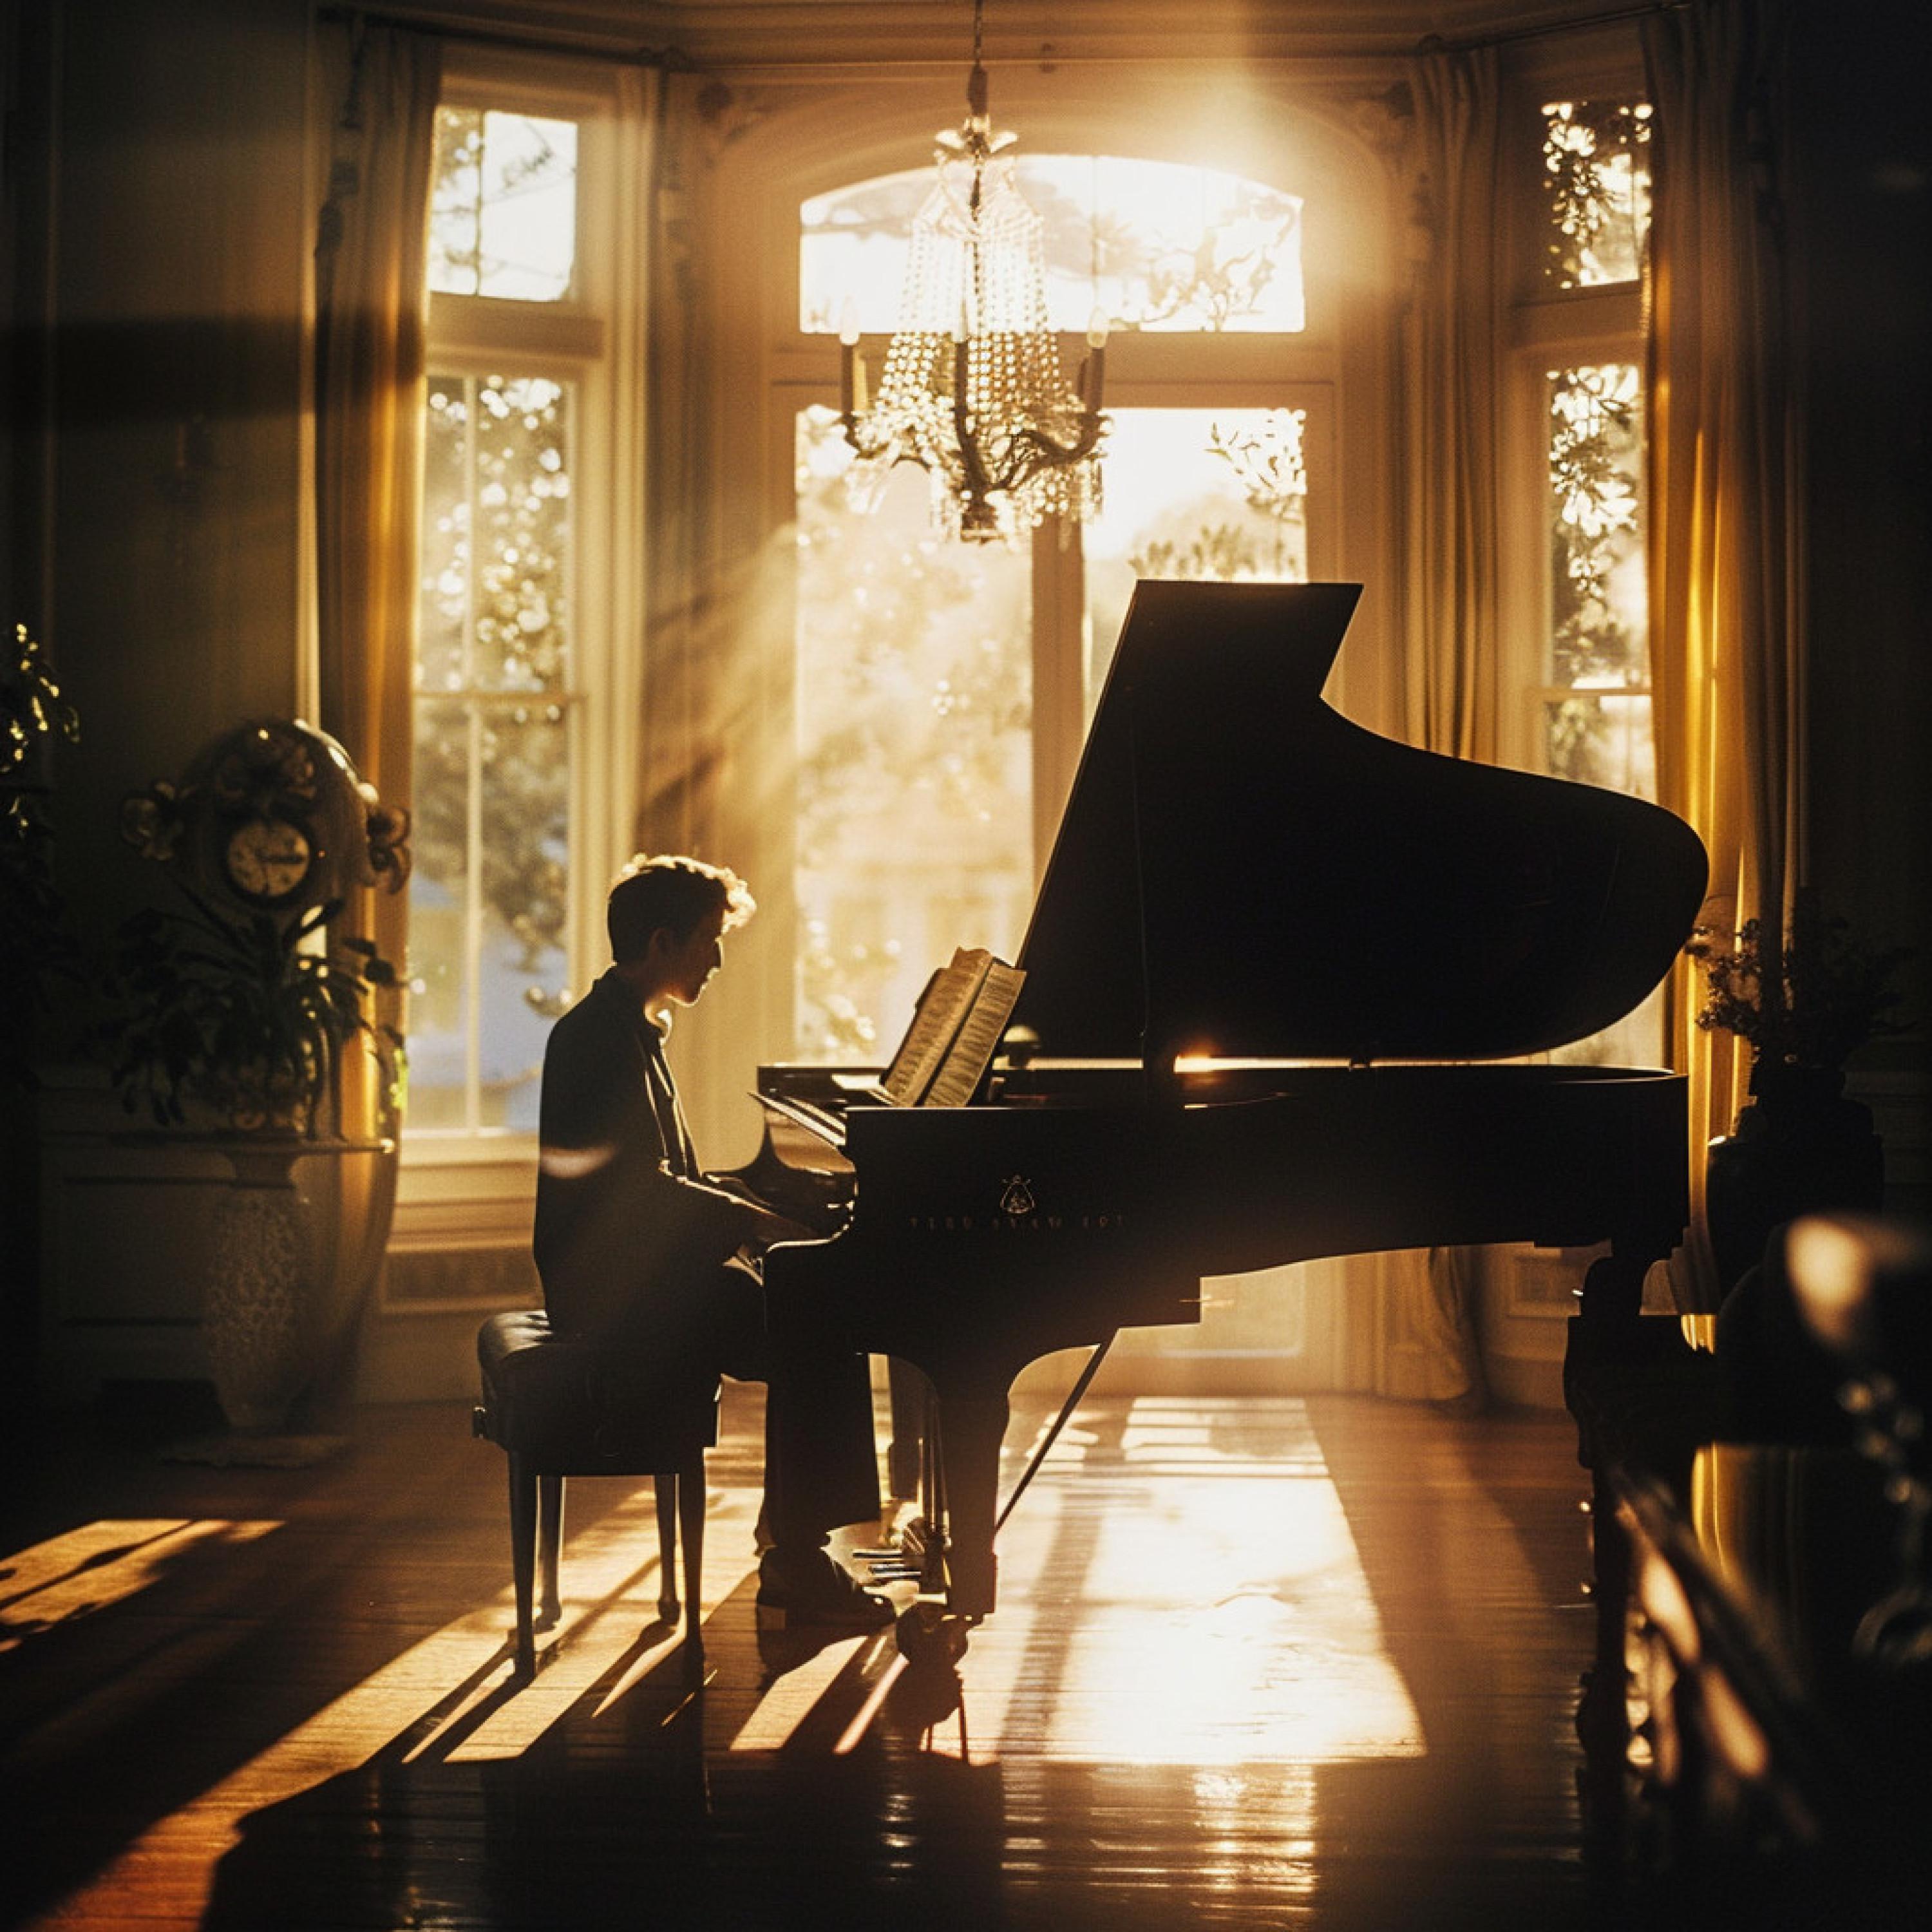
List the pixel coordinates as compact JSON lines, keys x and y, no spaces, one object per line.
{"x":1225,"y":1555}
{"x":1666,"y":1605}
{"x":1735,"y":1733}
{"x":433,"y":1690}
{"x":792,"y":1697}
{"x":1830,"y":1264}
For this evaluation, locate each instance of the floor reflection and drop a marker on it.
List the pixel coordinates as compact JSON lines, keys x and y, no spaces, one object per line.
{"x":1204,"y":1700}
{"x":1184,"y":1589}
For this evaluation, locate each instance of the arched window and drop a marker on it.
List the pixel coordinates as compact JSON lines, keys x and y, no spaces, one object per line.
{"x":1157,"y":244}
{"x":942,"y":690}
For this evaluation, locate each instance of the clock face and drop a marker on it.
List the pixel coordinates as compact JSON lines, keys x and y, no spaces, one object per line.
{"x":267,"y":859}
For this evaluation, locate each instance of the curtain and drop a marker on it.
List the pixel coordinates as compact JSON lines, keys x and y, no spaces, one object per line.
{"x":1726,"y":635}
{"x":1451,"y":408}
{"x":1427,"y":1342}
{"x":371,"y":313}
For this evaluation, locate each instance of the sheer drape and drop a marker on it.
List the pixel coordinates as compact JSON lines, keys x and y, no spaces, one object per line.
{"x":1726,"y":635}
{"x":1427,"y":1341}
{"x":370,"y":308}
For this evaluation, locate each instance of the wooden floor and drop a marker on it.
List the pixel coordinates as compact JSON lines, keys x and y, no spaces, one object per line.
{"x":1258,"y":1663}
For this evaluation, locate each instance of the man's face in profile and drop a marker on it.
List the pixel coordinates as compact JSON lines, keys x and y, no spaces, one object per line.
{"x":690,"y":963}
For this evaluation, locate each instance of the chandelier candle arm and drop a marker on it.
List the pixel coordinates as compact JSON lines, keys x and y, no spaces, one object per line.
{"x":852,"y":397}
{"x":1094,"y":374}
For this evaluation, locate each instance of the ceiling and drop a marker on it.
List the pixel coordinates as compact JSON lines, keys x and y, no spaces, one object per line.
{"x":738,"y":33}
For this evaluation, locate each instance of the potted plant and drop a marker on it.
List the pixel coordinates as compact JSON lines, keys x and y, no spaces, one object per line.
{"x":1799,"y":1146}
{"x":36,"y":943}
{"x":247,"y":1016}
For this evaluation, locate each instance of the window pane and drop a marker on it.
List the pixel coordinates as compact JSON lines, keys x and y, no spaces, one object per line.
{"x":442,"y":648}
{"x":495,"y":582}
{"x":915,"y":703}
{"x":1156,"y":244}
{"x":440,"y":988}
{"x":522,"y":520}
{"x":1212,"y":493}
{"x":1598,"y":618}
{"x":1596,"y":182}
{"x":503,"y":205}
{"x":523,"y":964}
{"x":487,"y":954}
{"x":1602,"y":738}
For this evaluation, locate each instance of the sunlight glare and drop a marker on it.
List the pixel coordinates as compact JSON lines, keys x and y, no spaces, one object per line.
{"x":1222,"y":1612}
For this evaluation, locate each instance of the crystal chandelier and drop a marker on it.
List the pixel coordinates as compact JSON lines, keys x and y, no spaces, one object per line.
{"x":972,"y":391}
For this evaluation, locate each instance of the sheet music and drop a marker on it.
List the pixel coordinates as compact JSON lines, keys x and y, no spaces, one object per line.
{"x":979,"y":1037}
{"x":936,"y":1021}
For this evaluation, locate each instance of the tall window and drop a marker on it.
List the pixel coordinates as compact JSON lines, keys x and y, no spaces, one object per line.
{"x":514,"y":670}
{"x":1576,"y":553}
{"x":944,"y":689}
{"x":1596,"y":723}
{"x":495,"y":697}
{"x":1588,"y":701}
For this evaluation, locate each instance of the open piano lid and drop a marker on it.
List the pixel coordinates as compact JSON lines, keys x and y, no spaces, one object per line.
{"x":1241,"y":871}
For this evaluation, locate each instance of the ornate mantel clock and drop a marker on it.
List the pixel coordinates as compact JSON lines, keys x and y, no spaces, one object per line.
{"x":272,"y":817}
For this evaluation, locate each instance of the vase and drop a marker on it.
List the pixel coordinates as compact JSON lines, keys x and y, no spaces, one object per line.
{"x":1799,"y":1147}
{"x":256,"y":1313}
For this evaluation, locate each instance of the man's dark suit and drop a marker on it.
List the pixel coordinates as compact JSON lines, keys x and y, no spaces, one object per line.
{"x":636,"y":1249}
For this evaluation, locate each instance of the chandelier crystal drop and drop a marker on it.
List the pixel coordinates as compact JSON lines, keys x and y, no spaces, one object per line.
{"x":972,"y":390}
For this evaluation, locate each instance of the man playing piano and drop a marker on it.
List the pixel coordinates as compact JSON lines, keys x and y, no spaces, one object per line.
{"x":640,"y":1248}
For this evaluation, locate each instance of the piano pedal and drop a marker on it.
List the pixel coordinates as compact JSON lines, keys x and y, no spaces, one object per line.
{"x":907,"y":1544}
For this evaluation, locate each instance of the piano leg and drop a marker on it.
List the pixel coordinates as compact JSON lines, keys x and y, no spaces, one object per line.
{"x":906,"y":1387}
{"x":1641,"y":1399}
{"x":971,"y":1430}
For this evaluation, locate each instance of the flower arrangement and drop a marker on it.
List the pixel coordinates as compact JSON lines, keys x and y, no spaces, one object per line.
{"x":1833,"y":992}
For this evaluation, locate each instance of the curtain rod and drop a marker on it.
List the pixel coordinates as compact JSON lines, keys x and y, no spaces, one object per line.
{"x":1437,"y":43}
{"x":670,"y":57}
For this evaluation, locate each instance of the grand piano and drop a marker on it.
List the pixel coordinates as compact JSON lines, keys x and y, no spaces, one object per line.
{"x":1274,"y":962}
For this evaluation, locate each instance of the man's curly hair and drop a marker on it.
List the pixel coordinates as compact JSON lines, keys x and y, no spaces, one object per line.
{"x":670,"y":892}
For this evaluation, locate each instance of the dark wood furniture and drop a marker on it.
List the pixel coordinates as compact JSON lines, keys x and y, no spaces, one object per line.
{"x":555,"y":1405}
{"x":1263,"y":934}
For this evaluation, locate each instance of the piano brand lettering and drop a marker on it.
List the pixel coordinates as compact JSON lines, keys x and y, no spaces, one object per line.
{"x":1017,"y":1198}
{"x":1001,"y":1224}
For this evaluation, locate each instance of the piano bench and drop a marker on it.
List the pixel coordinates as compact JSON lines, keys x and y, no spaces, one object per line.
{"x":552,"y":1403}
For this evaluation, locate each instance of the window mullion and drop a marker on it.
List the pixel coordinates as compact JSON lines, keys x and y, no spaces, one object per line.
{"x":1059,"y":676}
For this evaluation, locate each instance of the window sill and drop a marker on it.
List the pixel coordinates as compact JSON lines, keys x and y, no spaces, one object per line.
{"x":462,"y":1191}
